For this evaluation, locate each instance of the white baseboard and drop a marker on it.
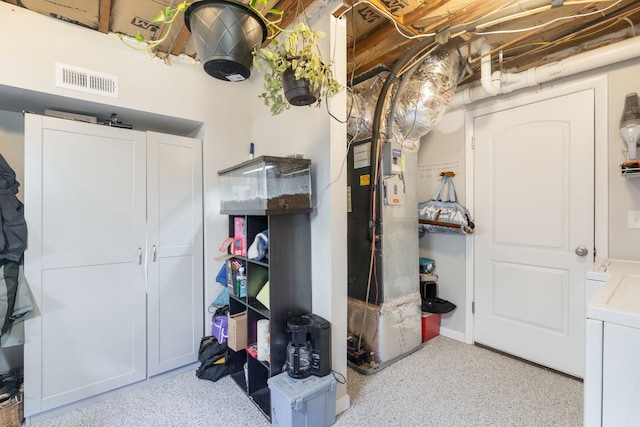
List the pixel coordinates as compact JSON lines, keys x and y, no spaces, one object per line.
{"x":342,"y":404}
{"x":450,"y":333}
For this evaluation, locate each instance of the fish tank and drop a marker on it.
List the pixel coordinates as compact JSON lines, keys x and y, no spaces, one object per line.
{"x":266,"y":185}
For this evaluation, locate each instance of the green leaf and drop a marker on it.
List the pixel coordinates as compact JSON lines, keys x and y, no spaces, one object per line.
{"x":139,"y":37}
{"x":159,"y":17}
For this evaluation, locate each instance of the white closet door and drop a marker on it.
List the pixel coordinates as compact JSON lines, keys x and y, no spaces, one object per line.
{"x":175,"y":245}
{"x":85,"y":211}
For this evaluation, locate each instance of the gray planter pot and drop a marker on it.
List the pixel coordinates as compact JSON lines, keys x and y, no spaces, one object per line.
{"x":225,"y":33}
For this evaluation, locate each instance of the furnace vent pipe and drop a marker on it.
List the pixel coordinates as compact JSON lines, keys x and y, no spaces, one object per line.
{"x":509,"y":82}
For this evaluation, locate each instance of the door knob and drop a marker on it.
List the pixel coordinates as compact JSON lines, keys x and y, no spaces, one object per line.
{"x":582,"y":251}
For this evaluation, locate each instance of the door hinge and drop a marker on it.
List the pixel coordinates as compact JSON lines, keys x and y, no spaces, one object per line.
{"x":473,"y":307}
{"x":473,"y":142}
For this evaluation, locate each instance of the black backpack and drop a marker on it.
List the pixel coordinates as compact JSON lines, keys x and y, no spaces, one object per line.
{"x":214,"y":359}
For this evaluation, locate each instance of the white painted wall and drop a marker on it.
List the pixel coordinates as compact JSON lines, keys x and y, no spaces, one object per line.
{"x":446,"y":143}
{"x":180,"y":98}
{"x":443,"y":147}
{"x":227,"y":116}
{"x":312,"y":132}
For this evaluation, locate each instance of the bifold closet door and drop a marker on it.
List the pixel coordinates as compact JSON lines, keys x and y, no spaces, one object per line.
{"x":174,"y":251}
{"x":85,"y":212}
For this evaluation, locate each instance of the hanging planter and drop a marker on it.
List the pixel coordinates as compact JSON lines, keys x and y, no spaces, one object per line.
{"x":298,"y":91}
{"x":225,"y":33}
{"x":294,"y":70}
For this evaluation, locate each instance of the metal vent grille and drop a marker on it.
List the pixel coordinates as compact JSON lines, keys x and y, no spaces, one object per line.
{"x":76,"y":78}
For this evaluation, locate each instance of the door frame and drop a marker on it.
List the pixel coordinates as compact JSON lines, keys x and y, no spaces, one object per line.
{"x":601,"y":185}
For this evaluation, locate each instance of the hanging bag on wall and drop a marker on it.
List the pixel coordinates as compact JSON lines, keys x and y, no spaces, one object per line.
{"x":444,"y":216}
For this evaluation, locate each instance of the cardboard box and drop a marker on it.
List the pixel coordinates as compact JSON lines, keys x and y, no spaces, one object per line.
{"x":430,"y":325}
{"x":81,"y":12}
{"x":237,"y":329}
{"x":131,"y":17}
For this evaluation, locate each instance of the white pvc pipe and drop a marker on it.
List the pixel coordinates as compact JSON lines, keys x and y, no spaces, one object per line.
{"x":486,"y":79}
{"x":607,"y":55}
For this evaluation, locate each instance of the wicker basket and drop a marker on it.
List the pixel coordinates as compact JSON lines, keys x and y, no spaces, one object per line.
{"x":12,"y":409}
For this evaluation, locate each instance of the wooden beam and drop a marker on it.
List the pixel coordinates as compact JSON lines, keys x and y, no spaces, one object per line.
{"x":13,"y":2}
{"x":180,"y":41}
{"x":105,"y":16}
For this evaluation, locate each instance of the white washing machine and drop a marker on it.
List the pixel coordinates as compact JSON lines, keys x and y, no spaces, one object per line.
{"x":612,"y":366}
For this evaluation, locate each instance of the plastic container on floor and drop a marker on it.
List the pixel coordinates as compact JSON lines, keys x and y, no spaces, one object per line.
{"x":308,"y":402}
{"x":430,"y":325}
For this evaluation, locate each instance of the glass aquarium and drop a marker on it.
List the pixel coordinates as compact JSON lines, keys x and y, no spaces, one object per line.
{"x":266,"y":185}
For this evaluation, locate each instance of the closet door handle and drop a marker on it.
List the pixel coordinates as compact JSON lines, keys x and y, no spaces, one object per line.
{"x":155,"y":253}
{"x":139,"y":256}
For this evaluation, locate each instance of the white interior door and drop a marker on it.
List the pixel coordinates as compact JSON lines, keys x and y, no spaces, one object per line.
{"x":534,"y":192}
{"x":85,"y":210}
{"x":175,"y":251}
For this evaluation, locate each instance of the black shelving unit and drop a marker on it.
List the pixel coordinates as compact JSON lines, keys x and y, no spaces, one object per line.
{"x":288,"y":270}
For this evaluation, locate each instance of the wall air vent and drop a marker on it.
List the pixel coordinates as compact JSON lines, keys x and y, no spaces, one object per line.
{"x":76,"y":78}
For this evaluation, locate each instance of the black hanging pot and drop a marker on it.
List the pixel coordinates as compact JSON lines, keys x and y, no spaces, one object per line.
{"x":298,"y":92}
{"x":225,"y":33}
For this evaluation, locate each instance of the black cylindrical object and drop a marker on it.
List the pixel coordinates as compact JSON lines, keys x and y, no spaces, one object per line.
{"x":320,"y":339}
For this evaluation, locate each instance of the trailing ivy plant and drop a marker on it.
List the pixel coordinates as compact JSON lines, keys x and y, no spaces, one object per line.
{"x":167,"y":16}
{"x":298,"y":51}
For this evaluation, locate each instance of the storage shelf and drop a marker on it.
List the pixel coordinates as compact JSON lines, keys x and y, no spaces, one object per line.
{"x":262,"y":399}
{"x":238,"y":377}
{"x":288,"y":271}
{"x":629,"y":172}
{"x":628,"y":168}
{"x":257,"y":306}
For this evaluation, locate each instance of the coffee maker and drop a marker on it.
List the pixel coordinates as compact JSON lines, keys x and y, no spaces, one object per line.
{"x":299,"y":348}
{"x":320,"y":340}
{"x":309,"y":348}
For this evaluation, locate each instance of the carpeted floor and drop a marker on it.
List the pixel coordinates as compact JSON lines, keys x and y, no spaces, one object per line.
{"x":446,"y":383}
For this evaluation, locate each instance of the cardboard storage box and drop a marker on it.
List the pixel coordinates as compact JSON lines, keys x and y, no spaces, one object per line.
{"x":309,"y":402}
{"x":430,"y":325}
{"x":237,"y":329}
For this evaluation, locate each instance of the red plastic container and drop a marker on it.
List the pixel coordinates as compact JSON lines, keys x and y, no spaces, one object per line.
{"x":430,"y":325}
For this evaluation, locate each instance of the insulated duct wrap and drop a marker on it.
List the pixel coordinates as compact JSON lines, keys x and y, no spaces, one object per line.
{"x":418,"y":107}
{"x":424,"y":97}
{"x":361,"y":103}
{"x":390,"y":330}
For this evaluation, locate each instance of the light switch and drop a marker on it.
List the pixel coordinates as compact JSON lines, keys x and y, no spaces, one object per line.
{"x":634,"y":219}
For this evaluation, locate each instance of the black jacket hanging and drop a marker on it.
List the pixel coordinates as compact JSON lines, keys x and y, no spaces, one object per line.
{"x":13,"y":236}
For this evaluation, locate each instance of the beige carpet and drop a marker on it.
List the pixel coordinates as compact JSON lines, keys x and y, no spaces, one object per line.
{"x":445,"y":383}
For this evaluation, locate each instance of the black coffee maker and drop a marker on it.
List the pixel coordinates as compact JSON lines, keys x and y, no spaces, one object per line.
{"x":299,"y":348}
{"x":320,"y":339}
{"x":309,"y":350}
